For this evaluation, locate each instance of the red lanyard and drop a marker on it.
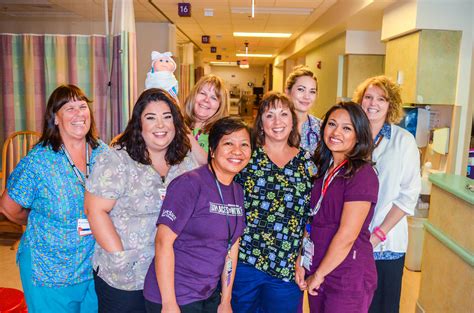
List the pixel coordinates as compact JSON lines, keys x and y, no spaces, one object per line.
{"x":328,"y":178}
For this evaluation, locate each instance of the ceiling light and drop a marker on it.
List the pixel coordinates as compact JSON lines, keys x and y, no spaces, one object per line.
{"x":263,"y":10}
{"x":244,"y":66}
{"x":208,"y":12}
{"x":223,"y":63}
{"x":253,"y":9}
{"x":270,"y":35}
{"x":254,"y":55}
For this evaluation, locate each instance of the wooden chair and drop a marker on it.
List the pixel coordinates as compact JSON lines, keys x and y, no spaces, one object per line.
{"x":15,"y":147}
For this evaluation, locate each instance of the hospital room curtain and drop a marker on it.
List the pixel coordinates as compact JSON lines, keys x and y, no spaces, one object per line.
{"x":32,"y":66}
{"x":123,"y":79}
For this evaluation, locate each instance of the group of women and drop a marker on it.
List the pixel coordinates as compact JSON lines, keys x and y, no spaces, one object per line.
{"x":192,"y":211}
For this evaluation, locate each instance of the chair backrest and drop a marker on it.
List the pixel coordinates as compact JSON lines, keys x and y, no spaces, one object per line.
{"x":15,"y":147}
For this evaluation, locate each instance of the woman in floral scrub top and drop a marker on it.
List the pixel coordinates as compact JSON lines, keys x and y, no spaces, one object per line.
{"x":277,"y":189}
{"x":124,"y":197}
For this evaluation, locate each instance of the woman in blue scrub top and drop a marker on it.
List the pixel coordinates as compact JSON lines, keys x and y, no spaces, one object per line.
{"x":46,"y":192}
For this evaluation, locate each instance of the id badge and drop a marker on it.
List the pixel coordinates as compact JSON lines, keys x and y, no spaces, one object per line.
{"x":83,"y":227}
{"x":308,"y":253}
{"x":228,"y":269}
{"x":162,"y":192}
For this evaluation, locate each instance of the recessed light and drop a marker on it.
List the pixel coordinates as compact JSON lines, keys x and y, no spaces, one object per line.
{"x":223,"y":63}
{"x":254,"y":55}
{"x":208,"y":12}
{"x":280,"y":11}
{"x":270,"y":35}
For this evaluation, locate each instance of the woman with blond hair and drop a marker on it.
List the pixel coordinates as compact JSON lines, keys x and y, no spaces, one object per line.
{"x":207,"y":102}
{"x":397,"y":161}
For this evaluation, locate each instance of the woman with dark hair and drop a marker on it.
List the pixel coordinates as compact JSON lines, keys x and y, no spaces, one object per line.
{"x":336,"y":251}
{"x":46,"y":192}
{"x":124,"y":197}
{"x":397,"y":161}
{"x":277,"y":188}
{"x":199,"y":227}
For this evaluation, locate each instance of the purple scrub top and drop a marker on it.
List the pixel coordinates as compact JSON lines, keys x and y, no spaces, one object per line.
{"x":357,"y":272}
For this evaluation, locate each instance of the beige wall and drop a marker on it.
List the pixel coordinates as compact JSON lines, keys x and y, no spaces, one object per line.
{"x":357,"y":68}
{"x":278,"y":79}
{"x":238,"y":76}
{"x":328,"y":54}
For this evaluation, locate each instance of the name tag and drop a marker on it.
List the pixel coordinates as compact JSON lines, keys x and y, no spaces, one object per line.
{"x":308,"y":253}
{"x":83,"y":227}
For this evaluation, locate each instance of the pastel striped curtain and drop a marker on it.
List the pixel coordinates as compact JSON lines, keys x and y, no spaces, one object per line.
{"x":32,"y":66}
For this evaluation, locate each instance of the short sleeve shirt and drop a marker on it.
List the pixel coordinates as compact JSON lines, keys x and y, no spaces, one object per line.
{"x":357,"y":271}
{"x":139,"y":192}
{"x":45,"y":183}
{"x":194,"y":211}
{"x":277,"y":208}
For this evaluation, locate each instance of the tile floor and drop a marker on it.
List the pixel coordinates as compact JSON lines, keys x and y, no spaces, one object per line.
{"x":10,"y":277}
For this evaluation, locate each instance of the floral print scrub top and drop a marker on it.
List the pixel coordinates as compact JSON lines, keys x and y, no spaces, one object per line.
{"x":45,"y":183}
{"x":139,"y":192}
{"x":277,"y":208}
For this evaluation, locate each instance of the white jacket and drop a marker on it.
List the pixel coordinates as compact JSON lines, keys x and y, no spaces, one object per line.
{"x":398,"y":166}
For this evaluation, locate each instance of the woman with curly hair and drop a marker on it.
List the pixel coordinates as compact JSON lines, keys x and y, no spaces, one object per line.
{"x":397,"y":161}
{"x":124,"y":196}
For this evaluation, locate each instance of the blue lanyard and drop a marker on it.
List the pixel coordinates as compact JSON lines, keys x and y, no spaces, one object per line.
{"x":310,"y":133}
{"x":76,"y":171}
{"x":229,"y":235}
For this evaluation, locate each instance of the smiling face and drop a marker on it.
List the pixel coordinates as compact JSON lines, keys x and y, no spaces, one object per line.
{"x":206,"y":104}
{"x":375,"y":104}
{"x":73,"y":120}
{"x":157,"y":126}
{"x":277,"y":123}
{"x":339,"y":134}
{"x":231,"y":154}
{"x":303,"y":93}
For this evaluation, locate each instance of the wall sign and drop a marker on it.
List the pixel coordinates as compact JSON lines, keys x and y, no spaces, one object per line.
{"x":184,"y":9}
{"x":205,"y":39}
{"x":213,"y":49}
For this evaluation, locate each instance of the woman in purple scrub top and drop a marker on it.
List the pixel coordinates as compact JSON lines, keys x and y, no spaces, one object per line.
{"x":201,"y":221}
{"x":340,"y":273}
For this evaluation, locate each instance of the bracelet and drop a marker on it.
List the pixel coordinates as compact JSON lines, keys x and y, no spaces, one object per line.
{"x":379,"y":233}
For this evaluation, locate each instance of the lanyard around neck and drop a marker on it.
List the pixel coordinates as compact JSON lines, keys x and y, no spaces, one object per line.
{"x":76,"y":171}
{"x":229,"y":235}
{"x":327,"y":180}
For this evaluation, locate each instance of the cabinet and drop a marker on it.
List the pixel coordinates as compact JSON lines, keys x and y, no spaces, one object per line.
{"x":428,"y":62}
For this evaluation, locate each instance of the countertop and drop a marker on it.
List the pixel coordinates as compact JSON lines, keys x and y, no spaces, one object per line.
{"x":454,"y":184}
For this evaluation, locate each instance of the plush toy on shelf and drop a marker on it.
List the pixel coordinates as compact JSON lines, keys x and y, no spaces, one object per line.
{"x":161,"y":74}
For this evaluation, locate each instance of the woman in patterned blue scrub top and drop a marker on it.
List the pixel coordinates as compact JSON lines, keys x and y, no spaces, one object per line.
{"x":46,"y":192}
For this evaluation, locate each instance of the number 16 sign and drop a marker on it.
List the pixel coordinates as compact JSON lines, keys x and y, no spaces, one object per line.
{"x":184,"y":9}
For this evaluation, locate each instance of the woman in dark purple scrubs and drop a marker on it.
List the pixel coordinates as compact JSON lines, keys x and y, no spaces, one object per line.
{"x":337,"y":255}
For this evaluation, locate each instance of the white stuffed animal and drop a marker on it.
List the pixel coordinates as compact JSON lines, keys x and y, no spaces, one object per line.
{"x":161,"y":74}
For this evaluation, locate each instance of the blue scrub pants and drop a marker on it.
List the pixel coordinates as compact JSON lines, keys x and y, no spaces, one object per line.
{"x":256,"y":291}
{"x":79,"y":298}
